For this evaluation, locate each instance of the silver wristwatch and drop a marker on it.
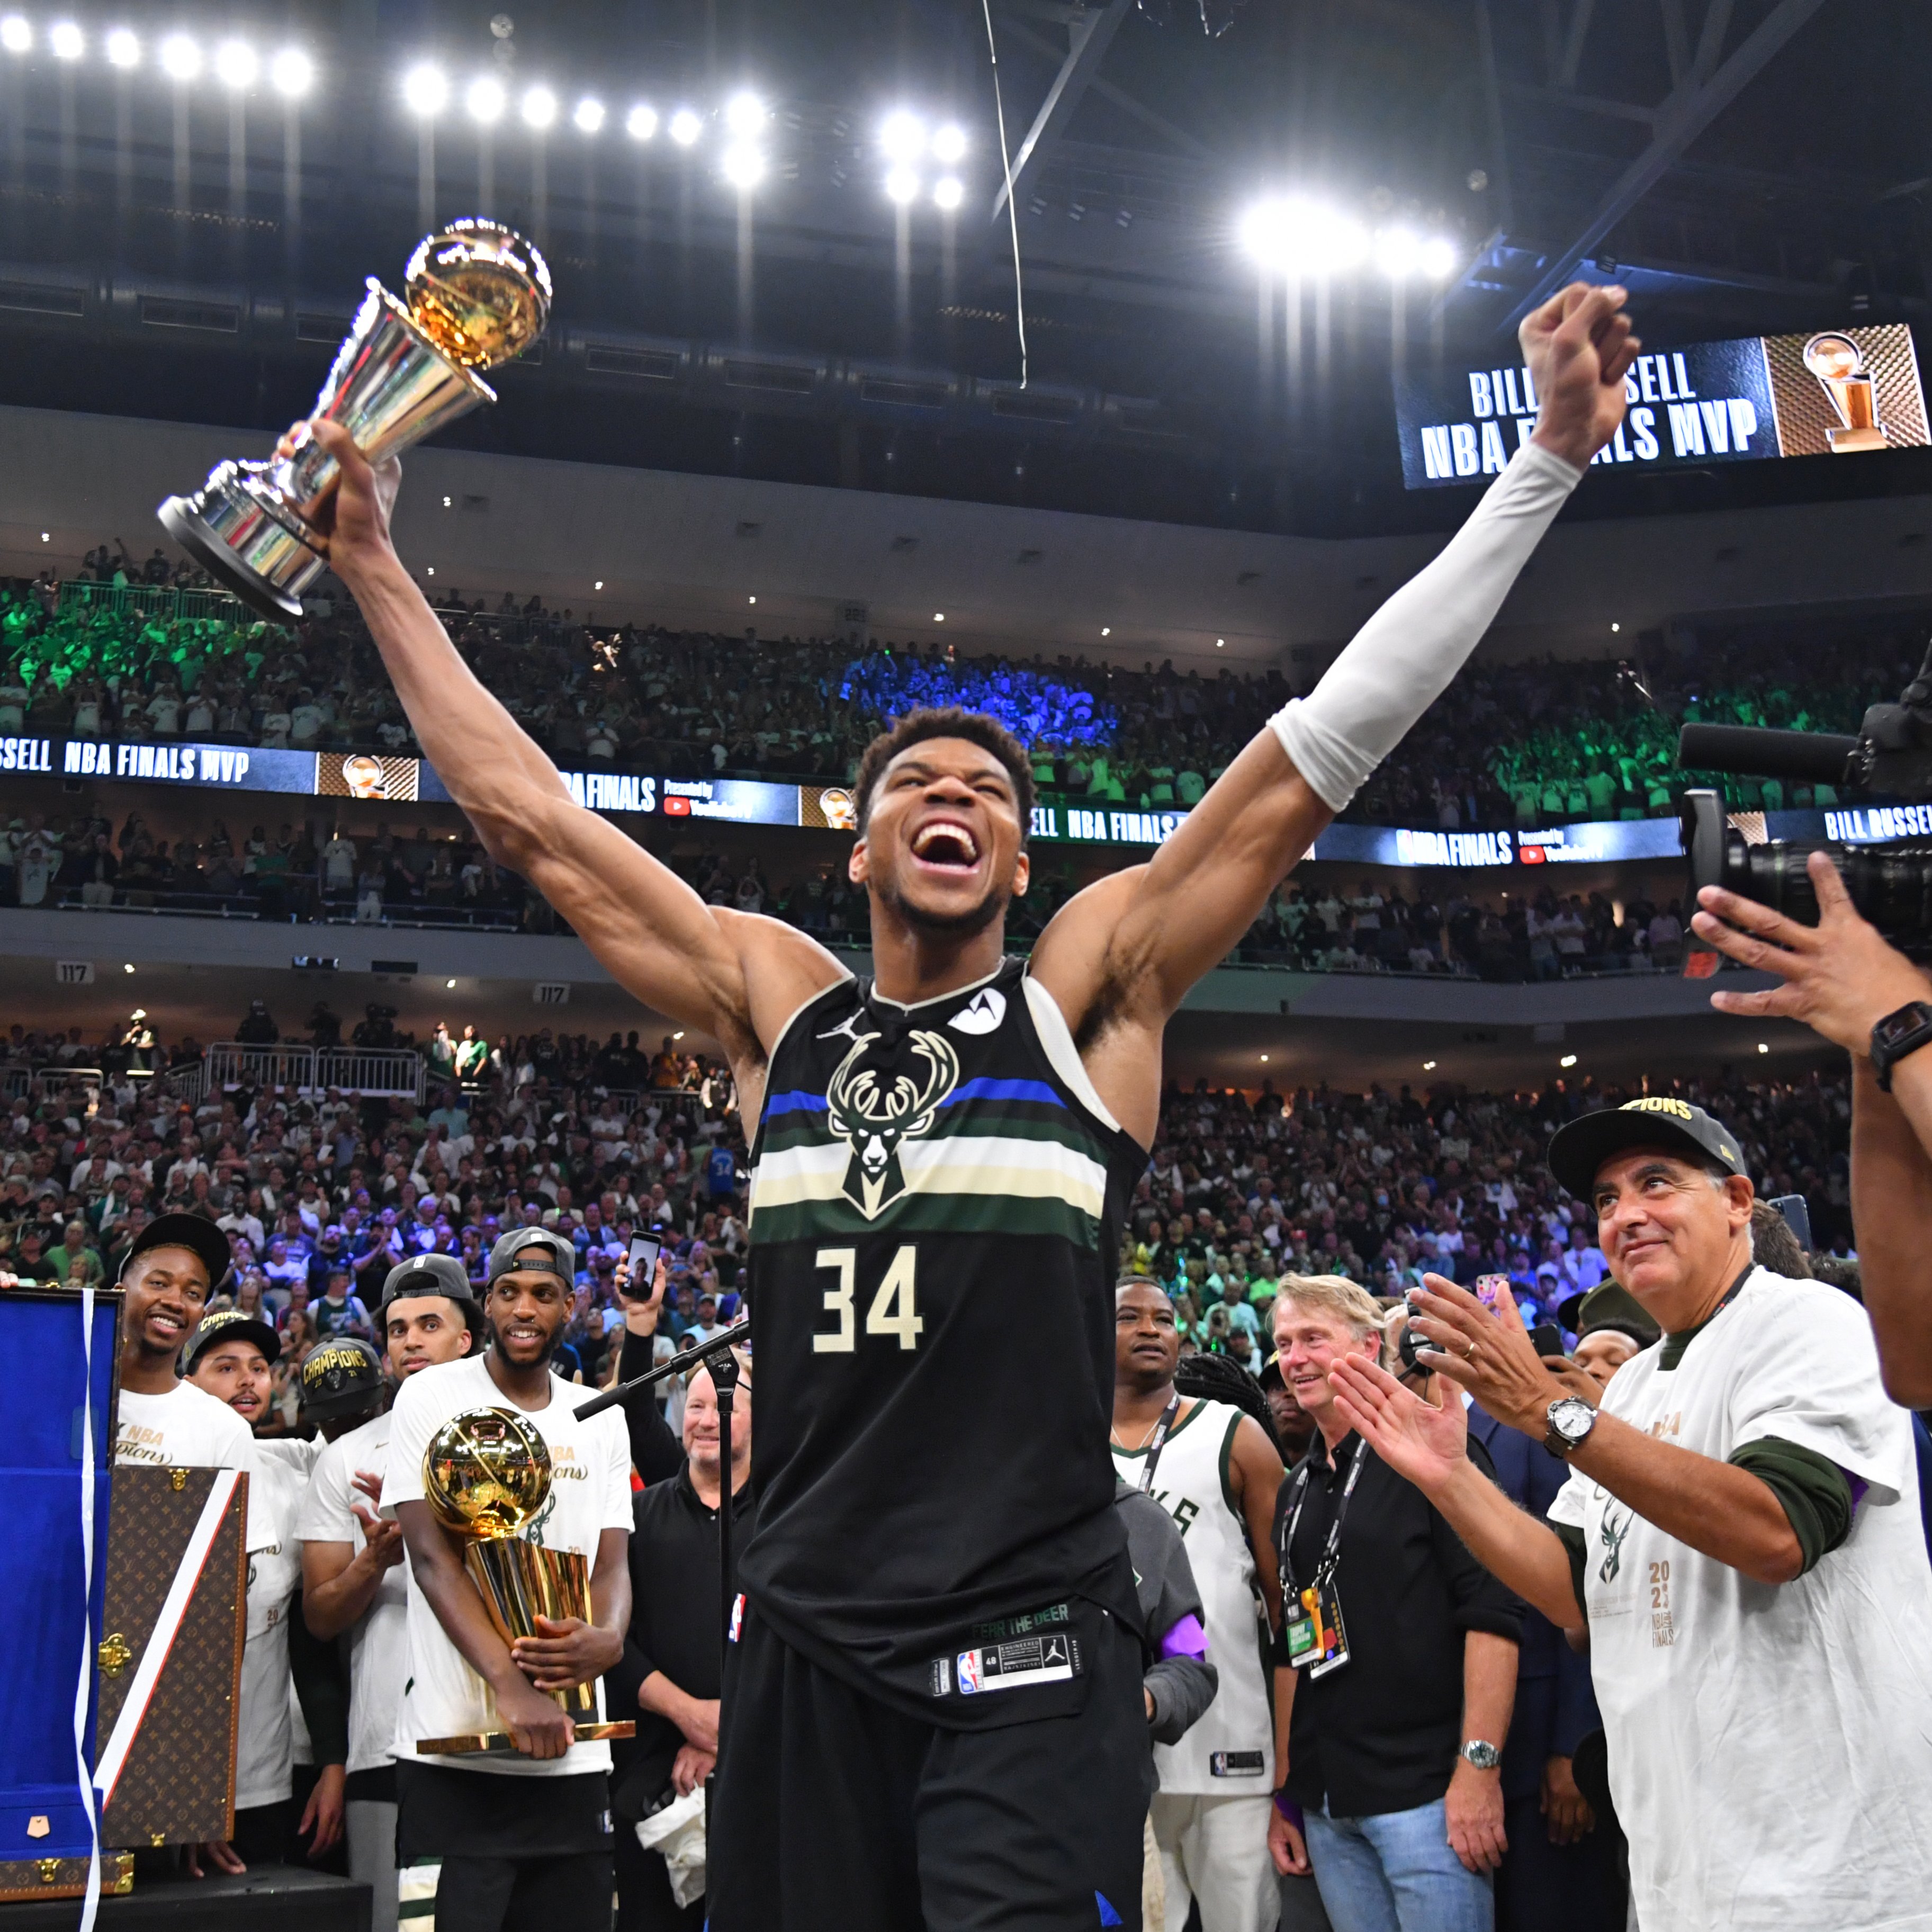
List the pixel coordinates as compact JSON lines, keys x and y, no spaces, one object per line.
{"x":1483,"y":1756}
{"x":1567,"y":1424}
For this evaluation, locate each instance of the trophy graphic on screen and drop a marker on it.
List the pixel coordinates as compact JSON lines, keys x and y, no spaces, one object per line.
{"x":1839,"y":364}
{"x":477,"y":295}
{"x":487,"y":1477}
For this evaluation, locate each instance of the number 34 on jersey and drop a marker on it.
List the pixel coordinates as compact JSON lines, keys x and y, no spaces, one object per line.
{"x":892,"y":1312}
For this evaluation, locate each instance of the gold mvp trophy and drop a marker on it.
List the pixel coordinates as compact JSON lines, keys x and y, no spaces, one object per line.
{"x":1839,"y":364}
{"x":487,"y":1476}
{"x":478,"y":295}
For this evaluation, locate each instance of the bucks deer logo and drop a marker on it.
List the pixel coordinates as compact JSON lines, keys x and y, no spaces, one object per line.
{"x":1611,"y":1534}
{"x":873,"y":1111}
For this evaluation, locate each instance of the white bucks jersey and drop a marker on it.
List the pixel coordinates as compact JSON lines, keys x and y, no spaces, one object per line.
{"x":264,"y":1740}
{"x":1230,"y":1753}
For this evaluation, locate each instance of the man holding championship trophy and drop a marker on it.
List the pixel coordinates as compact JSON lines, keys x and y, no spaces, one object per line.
{"x":933,"y":1712}
{"x":494,"y":1777}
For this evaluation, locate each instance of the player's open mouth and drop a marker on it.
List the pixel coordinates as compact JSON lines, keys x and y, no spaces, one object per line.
{"x":521,"y":1333}
{"x":945,"y":845}
{"x":164,"y":1322}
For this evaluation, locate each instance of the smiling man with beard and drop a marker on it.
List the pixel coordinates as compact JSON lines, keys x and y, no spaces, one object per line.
{"x":944,"y":1153}
{"x":524,"y":1837}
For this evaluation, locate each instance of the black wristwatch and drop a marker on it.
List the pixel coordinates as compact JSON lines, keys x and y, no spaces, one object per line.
{"x":1895,"y":1036}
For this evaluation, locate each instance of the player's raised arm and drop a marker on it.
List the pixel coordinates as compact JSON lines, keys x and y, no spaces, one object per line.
{"x":735,"y":977}
{"x":1134,"y":943}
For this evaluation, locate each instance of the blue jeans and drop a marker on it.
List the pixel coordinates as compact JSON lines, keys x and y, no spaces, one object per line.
{"x":1396,"y":1873}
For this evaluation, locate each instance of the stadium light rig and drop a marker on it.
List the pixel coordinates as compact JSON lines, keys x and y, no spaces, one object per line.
{"x":180,"y":58}
{"x":484,"y":100}
{"x":235,"y":63}
{"x":1294,"y":236}
{"x":425,"y":89}
{"x":905,"y":141}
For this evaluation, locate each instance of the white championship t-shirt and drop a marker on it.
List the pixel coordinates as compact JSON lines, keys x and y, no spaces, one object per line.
{"x":590,"y":1492}
{"x":379,"y":1641}
{"x":189,"y":1428}
{"x":1770,"y":1745}
{"x":265,"y":1732}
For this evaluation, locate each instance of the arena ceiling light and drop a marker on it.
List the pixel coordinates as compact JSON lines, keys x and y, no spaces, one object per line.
{"x":948,"y":192}
{"x":745,"y":113}
{"x":949,"y":145}
{"x":1290,"y":235}
{"x":1438,"y":259}
{"x":484,"y":100}
{"x":587,"y":117}
{"x":641,"y":123}
{"x":425,"y":89}
{"x":1398,"y":253}
{"x":902,"y":137}
{"x":902,"y":186}
{"x":237,"y":64}
{"x":686,"y":124}
{"x":538,"y":107}
{"x":65,"y":41}
{"x":291,"y":74}
{"x":742,"y":166}
{"x":123,"y":48}
{"x":180,"y":58}
{"x":17,"y":34}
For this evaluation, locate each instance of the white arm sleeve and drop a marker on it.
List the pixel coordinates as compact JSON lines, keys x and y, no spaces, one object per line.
{"x":1402,"y":660}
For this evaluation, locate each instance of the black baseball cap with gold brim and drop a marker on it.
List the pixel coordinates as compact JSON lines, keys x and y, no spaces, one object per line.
{"x":232,"y":1325}
{"x":1578,"y":1150}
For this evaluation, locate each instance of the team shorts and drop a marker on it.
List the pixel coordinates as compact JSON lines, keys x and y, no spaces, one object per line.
{"x":830,"y":1808}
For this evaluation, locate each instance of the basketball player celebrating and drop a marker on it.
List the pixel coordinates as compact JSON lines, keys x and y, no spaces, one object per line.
{"x":1214,"y":1470}
{"x":933,"y":1712}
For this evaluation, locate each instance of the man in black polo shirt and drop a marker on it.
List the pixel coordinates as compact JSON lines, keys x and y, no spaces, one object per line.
{"x":1397,"y":1668}
{"x":672,"y":1669}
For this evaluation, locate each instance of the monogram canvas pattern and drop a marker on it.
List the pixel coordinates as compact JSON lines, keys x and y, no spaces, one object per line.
{"x":179,"y":1779}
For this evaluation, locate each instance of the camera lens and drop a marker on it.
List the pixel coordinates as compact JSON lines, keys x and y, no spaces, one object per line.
{"x":1891,"y":885}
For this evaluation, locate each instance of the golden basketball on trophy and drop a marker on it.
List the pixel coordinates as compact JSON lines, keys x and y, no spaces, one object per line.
{"x":478,"y":295}
{"x":487,"y":1477}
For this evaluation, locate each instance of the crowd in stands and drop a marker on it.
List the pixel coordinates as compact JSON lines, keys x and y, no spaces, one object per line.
{"x":1527,"y":742}
{"x":322,"y":1193}
{"x":303,"y":873}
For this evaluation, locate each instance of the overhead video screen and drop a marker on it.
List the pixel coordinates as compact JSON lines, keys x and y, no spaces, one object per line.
{"x":1844,"y":392}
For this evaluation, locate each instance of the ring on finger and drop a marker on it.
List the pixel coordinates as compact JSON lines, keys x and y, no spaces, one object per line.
{"x":1469,"y":1353}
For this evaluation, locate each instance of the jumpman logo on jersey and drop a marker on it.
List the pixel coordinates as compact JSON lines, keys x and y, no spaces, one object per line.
{"x":847,"y":1028}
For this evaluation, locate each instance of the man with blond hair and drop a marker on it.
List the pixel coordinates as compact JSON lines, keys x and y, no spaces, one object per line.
{"x":1396,"y":1673}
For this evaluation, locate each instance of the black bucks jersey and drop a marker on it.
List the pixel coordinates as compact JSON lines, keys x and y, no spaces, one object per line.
{"x":937,"y":1193}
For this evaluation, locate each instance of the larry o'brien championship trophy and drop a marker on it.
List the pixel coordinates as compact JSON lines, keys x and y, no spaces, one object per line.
{"x":478,"y":295}
{"x":487,"y":1476}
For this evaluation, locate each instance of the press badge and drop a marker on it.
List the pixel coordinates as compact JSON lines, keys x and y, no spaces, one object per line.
{"x":1316,"y":1638}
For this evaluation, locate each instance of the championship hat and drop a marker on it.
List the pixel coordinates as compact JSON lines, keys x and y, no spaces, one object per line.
{"x":1607,"y":1305}
{"x":342,"y":1377}
{"x":184,"y":1231}
{"x":1577,"y":1150}
{"x":555,"y":1253}
{"x":431,"y":1274}
{"x":231,"y":1324}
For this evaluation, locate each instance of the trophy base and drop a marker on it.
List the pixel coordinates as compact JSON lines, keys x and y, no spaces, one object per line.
{"x":497,"y":1743}
{"x":1848,"y":441}
{"x":236,"y":529}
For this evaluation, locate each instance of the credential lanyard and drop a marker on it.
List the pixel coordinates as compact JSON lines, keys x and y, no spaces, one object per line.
{"x":1331,"y":1548}
{"x":1158,"y":1441}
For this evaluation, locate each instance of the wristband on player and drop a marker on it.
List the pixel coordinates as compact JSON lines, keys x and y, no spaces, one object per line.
{"x":1288,"y":1809}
